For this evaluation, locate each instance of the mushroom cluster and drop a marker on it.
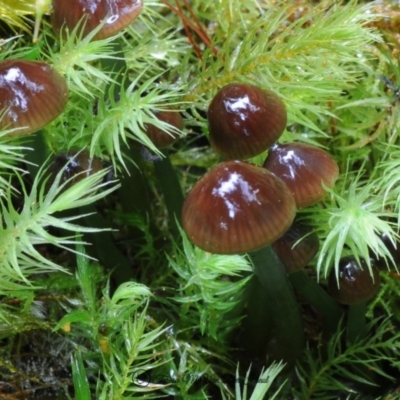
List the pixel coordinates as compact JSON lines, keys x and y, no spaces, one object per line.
{"x":239,"y":207}
{"x":32,"y":94}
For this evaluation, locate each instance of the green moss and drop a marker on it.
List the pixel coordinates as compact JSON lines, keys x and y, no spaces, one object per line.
{"x":101,"y":269}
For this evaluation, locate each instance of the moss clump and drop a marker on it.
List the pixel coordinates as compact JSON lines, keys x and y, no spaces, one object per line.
{"x":99,"y":267}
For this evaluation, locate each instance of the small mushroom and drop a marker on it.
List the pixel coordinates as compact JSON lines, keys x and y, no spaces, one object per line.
{"x":162,"y":138}
{"x":32,"y":94}
{"x":304,"y":169}
{"x":245,"y":120}
{"x":117,"y":14}
{"x":237,"y":207}
{"x":296,"y":247}
{"x":393,"y":249}
{"x":78,"y":165}
{"x":355,"y":284}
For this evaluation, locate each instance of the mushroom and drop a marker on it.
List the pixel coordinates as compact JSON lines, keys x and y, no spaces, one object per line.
{"x":162,"y":138}
{"x":117,"y":14}
{"x":245,"y":120}
{"x":393,"y":249}
{"x":305,"y":169}
{"x":78,"y":165}
{"x":32,"y":94}
{"x":296,"y":247}
{"x":355,"y":284}
{"x":237,"y":207}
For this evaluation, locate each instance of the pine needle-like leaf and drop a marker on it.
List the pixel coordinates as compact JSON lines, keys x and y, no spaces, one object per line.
{"x":389,"y":182}
{"x":353,"y":222}
{"x":299,"y":59}
{"x":14,"y":13}
{"x":11,"y":153}
{"x":205,"y":284}
{"x":21,"y":230}
{"x":122,"y":116}
{"x":133,"y":355}
{"x":78,"y":59}
{"x":263,"y":385}
{"x":343,"y":368}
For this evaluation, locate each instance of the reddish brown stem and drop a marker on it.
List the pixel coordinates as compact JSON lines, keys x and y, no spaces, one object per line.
{"x":188,"y":34}
{"x":194,"y":26}
{"x":196,"y":20}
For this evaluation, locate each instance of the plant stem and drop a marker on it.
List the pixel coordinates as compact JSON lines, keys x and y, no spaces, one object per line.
{"x":280,"y":299}
{"x":356,"y":322}
{"x":258,"y":321}
{"x":329,"y":309}
{"x":172,"y":190}
{"x":39,"y":155}
{"x":104,"y":248}
{"x":135,"y":190}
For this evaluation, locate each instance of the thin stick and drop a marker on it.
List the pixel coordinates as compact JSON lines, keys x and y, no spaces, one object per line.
{"x":195,"y":27}
{"x":188,"y":34}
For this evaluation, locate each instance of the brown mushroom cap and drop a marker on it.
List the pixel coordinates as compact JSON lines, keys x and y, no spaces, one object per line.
{"x":245,"y":120}
{"x":303,"y":168}
{"x":160,"y":137}
{"x":237,"y":207}
{"x":355,"y":282}
{"x":80,"y":165}
{"x":32,"y":94}
{"x":393,"y":249}
{"x":296,"y":247}
{"x":118,"y":14}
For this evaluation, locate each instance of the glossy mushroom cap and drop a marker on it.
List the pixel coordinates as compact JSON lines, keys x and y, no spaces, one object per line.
{"x":394,"y":250}
{"x":80,"y":165}
{"x":296,"y":247}
{"x":355,"y":282}
{"x":237,"y":207}
{"x":160,"y":137}
{"x":117,"y":13}
{"x":245,"y":120}
{"x":32,"y":94}
{"x":303,"y":168}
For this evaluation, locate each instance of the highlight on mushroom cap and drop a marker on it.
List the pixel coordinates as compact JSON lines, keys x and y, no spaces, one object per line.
{"x":76,"y":164}
{"x":355,"y":284}
{"x":305,"y":169}
{"x":245,"y":120}
{"x":237,"y":207}
{"x":116,"y":14}
{"x":32,"y":94}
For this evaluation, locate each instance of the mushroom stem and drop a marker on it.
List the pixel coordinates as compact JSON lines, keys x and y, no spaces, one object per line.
{"x":104,"y":248}
{"x":136,"y":196}
{"x":38,"y":157}
{"x":257,"y":324}
{"x":280,"y":299}
{"x":356,"y":322}
{"x":172,"y":191}
{"x":318,"y":298}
